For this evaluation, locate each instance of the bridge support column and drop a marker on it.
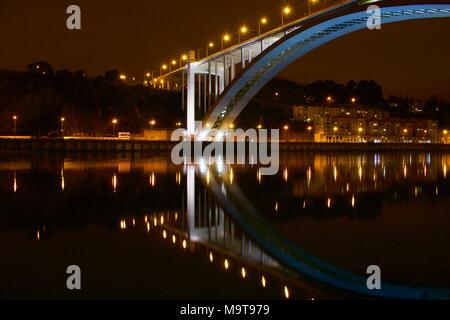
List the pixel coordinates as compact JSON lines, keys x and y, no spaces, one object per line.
{"x":190,"y":112}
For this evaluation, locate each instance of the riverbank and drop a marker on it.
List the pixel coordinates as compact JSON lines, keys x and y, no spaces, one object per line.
{"x":117,"y":145}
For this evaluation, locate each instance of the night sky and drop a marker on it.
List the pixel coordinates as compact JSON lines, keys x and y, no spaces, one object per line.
{"x":137,"y":36}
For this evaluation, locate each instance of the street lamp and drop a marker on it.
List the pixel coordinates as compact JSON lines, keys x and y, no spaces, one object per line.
{"x":172,"y":64}
{"x":152,"y":123}
{"x":285,"y":12}
{"x":163,"y":67}
{"x":262,"y":21}
{"x":123,"y":77}
{"x":114,"y":123}
{"x":62,"y":125}
{"x":242,"y":31}
{"x":353,"y":100}
{"x":329,"y":99}
{"x":309,"y":6}
{"x":225,"y":38}
{"x":14,"y":126}
{"x":183,"y":58}
{"x":210,"y":46}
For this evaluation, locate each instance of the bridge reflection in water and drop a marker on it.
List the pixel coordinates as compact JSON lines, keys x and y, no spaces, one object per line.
{"x":203,"y":210}
{"x":221,"y":218}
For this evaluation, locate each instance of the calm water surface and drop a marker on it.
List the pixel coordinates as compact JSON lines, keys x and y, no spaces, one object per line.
{"x":140,"y":227}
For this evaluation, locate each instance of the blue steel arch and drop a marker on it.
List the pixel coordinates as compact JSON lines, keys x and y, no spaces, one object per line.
{"x":270,"y":240}
{"x":300,"y":42}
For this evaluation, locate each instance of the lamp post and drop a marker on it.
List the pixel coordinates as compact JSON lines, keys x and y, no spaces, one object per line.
{"x":14,"y":125}
{"x":262,"y":21}
{"x":210,"y":46}
{"x":152,"y":123}
{"x":285,"y":12}
{"x":163,"y":67}
{"x":62,"y":126}
{"x":309,"y":6}
{"x":172,"y":64}
{"x":225,"y":38}
{"x":242,"y":31}
{"x":114,"y":123}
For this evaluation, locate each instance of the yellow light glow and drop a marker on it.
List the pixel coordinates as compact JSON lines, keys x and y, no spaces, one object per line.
{"x":184,"y":57}
{"x":63,"y":119}
{"x":286,"y":127}
{"x":226,"y":37}
{"x":353,"y":100}
{"x":174,"y":239}
{"x":263,"y":20}
{"x":259,"y":126}
{"x":114,"y":121}
{"x":147,"y":74}
{"x":123,"y":77}
{"x":184,"y":244}
{"x":286,"y":292}
{"x":164,"y":66}
{"x":287,"y":10}
{"x":335,"y":129}
{"x":231,"y":126}
{"x":164,"y":234}
{"x":148,"y":226}
{"x":243,"y":273}
{"x":445,"y":131}
{"x":244,"y":29}
{"x":211,"y":257}
{"x":263,"y":281}
{"x":226,"y":264}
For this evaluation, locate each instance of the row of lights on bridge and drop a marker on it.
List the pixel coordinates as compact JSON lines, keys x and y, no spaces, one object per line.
{"x":286,"y":11}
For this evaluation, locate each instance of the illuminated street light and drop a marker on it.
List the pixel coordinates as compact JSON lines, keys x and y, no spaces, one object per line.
{"x":329,"y":99}
{"x":309,"y":5}
{"x":123,"y":77}
{"x":225,"y":38}
{"x":286,"y":128}
{"x":285,"y":12}
{"x":210,"y":46}
{"x":152,"y":123}
{"x":309,"y":129}
{"x":242,"y":31}
{"x":114,"y":123}
{"x":163,"y":67}
{"x":172,"y":64}
{"x":259,"y":126}
{"x":262,"y":22}
{"x":62,"y":125}
{"x":14,"y":126}
{"x":335,"y":129}
{"x":445,"y":132}
{"x":353,"y":100}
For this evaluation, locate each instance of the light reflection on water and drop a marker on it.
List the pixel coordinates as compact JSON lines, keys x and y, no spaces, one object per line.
{"x":315,"y":193}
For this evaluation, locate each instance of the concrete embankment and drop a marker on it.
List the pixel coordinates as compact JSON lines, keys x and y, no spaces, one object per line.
{"x":116,"y":145}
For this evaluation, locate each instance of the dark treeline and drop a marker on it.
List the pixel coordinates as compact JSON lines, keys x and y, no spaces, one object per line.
{"x":40,"y":97}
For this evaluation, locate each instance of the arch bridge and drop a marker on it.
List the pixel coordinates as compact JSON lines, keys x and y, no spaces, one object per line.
{"x":223,"y":83}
